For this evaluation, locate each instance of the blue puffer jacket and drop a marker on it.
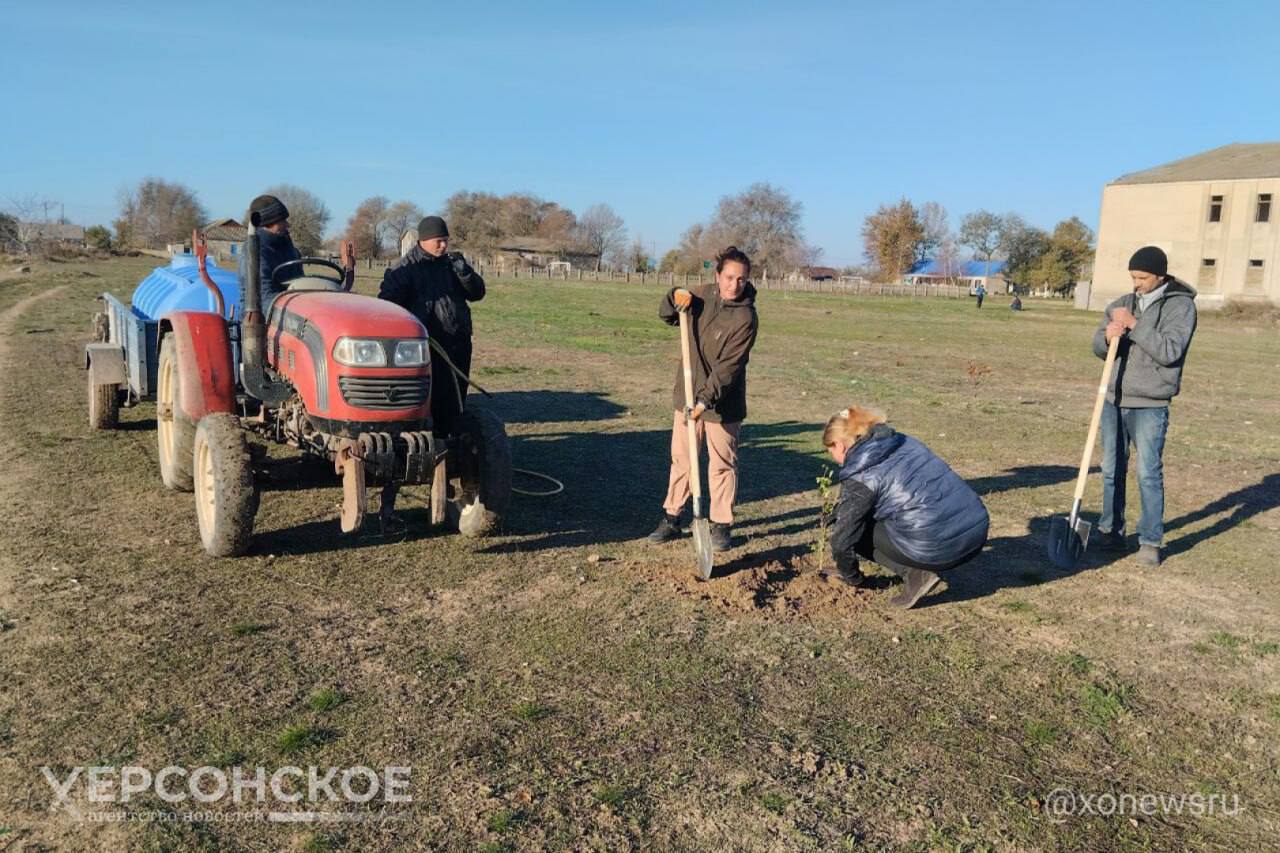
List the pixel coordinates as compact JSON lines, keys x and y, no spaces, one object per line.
{"x":929,"y":512}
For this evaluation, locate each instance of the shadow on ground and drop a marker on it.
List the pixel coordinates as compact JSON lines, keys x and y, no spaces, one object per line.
{"x":615,"y":481}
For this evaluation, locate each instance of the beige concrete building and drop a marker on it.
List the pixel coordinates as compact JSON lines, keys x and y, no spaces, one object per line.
{"x":1216,"y":215}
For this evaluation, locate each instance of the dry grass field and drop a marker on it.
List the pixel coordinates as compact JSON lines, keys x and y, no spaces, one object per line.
{"x":567,"y":686}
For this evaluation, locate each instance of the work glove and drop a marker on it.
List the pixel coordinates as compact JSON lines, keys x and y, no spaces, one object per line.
{"x":682,"y":299}
{"x":460,"y":265}
{"x":692,"y":414}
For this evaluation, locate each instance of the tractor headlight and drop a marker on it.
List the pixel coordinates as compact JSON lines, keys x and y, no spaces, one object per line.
{"x":411,"y":353}
{"x":355,"y":352}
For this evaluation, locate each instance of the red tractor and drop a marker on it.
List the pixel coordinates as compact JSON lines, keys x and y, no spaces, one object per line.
{"x":335,"y":374}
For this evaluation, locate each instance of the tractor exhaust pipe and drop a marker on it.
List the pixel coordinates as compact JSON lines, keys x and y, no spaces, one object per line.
{"x":253,"y":329}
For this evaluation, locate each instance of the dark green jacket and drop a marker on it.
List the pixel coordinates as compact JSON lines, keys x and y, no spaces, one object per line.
{"x":723,"y":335}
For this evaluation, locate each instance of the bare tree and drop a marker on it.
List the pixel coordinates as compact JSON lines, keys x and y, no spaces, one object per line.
{"x":308,"y":216}
{"x":29,"y":213}
{"x":519,"y":215}
{"x":949,"y":264}
{"x":398,"y":220}
{"x":933,"y":219}
{"x":981,"y":231}
{"x":764,"y":222}
{"x":559,"y":226}
{"x":473,"y":220}
{"x":157,"y":212}
{"x":602,"y":232}
{"x":364,"y":228}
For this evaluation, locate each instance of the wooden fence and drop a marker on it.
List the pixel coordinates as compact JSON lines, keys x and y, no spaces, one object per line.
{"x":848,"y":286}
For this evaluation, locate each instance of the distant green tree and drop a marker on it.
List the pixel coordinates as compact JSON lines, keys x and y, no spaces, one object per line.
{"x":981,"y":232}
{"x":670,"y":262}
{"x":97,"y":237}
{"x":1067,"y":257}
{"x":638,"y":257}
{"x":1022,"y":245}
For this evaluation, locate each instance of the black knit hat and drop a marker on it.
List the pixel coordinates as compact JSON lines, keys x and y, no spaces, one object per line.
{"x":1150,"y":259}
{"x":267,"y":210}
{"x":431,"y":227}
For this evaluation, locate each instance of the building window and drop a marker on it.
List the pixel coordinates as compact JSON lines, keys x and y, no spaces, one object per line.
{"x":1253,"y":275}
{"x":1208,"y":279}
{"x":1264,"y":208}
{"x":1215,"y":208}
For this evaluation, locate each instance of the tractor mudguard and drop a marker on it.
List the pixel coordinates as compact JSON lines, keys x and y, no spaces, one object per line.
{"x":105,"y":363}
{"x":204,"y":363}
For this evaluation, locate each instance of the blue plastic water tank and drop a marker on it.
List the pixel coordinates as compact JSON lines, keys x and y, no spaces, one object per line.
{"x":178,"y":287}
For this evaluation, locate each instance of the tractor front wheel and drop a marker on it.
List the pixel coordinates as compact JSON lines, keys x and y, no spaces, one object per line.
{"x":484,"y":473}
{"x":174,"y":429}
{"x":226,"y":495}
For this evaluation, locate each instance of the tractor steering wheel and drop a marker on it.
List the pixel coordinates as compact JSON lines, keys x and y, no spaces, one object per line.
{"x":340,"y":281}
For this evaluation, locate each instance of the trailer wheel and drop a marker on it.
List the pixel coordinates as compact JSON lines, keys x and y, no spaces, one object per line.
{"x":104,"y":405}
{"x":174,"y":430}
{"x":226,"y":494}
{"x":485,"y":473}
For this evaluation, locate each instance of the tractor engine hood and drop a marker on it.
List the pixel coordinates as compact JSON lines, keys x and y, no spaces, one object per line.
{"x":303,"y":336}
{"x":350,"y":315}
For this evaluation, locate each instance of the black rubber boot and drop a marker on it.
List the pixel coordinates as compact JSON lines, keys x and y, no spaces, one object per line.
{"x":721,"y":540}
{"x":667,"y":530}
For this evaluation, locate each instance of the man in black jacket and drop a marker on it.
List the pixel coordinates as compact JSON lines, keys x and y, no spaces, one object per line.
{"x":270,"y":218}
{"x":436,"y":285}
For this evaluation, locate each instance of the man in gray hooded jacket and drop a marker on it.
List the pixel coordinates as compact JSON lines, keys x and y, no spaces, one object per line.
{"x":1155,"y":324}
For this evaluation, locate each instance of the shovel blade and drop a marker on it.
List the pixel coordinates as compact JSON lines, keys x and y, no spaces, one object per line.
{"x":702,"y":547}
{"x":1067,"y":542}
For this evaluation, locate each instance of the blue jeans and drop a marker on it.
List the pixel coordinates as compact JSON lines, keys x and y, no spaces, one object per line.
{"x":1144,"y":429}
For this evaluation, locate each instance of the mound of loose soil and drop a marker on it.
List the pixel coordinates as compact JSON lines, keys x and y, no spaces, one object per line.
{"x":790,"y":590}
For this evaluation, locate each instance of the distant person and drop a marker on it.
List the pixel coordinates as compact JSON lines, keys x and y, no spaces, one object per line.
{"x":435,"y":285}
{"x":270,"y":219}
{"x":724,"y":326}
{"x":900,"y":506}
{"x":1155,"y":324}
{"x":981,"y":293}
{"x":1016,"y":304}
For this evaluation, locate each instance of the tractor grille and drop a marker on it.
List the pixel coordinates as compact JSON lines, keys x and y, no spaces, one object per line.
{"x":384,"y":392}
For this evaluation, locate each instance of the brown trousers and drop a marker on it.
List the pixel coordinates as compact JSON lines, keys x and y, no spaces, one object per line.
{"x":722,"y":470}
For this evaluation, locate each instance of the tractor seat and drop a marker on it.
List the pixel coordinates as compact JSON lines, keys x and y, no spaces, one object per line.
{"x":314,"y":282}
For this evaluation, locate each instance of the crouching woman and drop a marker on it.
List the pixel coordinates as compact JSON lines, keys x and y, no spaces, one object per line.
{"x":900,"y":506}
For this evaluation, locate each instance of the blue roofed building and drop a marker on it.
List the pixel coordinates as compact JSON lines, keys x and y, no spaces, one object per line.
{"x":990,"y":274}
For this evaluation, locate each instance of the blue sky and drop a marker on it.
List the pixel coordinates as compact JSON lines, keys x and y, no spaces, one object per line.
{"x":658,"y":109}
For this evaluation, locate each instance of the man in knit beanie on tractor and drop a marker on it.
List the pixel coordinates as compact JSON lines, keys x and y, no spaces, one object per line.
{"x":269,"y":216}
{"x":1155,"y":324}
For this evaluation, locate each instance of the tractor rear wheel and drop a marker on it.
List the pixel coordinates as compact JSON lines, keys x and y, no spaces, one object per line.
{"x":174,"y":430}
{"x":485,"y":474}
{"x":226,"y":494}
{"x":104,"y":405}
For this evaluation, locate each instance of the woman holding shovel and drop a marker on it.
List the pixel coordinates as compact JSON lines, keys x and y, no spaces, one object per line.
{"x":721,"y":321}
{"x":900,"y":506}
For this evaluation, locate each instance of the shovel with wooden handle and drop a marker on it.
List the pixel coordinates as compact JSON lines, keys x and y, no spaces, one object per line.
{"x":1068,"y":537}
{"x":701,"y":525}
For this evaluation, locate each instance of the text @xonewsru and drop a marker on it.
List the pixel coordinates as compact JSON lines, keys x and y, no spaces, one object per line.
{"x":210,"y":794}
{"x":1062,"y":804}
